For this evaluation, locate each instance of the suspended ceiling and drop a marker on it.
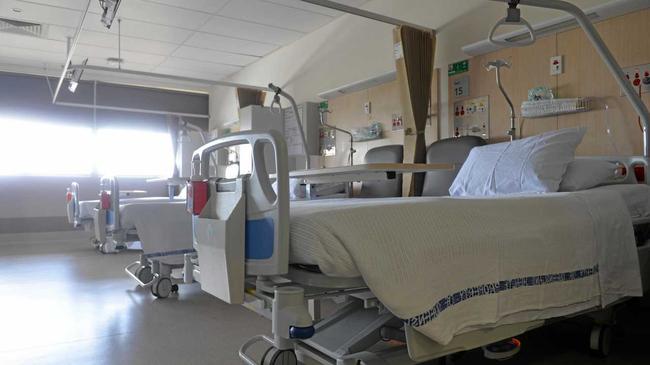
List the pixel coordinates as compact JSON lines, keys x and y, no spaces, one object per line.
{"x":208,"y":39}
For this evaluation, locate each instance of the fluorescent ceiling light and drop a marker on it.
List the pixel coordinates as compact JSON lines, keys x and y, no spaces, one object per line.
{"x":110,"y":10}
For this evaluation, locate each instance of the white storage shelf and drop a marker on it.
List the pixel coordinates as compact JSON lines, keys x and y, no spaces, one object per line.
{"x":553,"y":107}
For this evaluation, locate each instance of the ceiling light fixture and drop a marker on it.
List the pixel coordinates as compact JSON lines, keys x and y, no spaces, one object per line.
{"x":114,"y":61}
{"x":75,"y":77}
{"x":109,"y":8}
{"x":17,"y":10}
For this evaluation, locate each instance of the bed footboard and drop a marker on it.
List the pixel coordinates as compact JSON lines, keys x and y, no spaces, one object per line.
{"x":241,"y":226}
{"x":72,"y":204}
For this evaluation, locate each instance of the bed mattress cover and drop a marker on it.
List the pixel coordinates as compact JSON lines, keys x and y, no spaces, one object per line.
{"x":449,"y":265}
{"x":164,"y":228}
{"x":635,"y":196}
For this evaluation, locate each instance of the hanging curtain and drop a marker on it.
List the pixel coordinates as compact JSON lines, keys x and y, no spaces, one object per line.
{"x":414,"y":51}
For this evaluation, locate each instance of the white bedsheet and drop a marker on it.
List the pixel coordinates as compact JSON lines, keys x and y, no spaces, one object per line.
{"x":86,"y":207}
{"x":636,"y":197}
{"x":448,"y":265}
{"x":162,"y":227}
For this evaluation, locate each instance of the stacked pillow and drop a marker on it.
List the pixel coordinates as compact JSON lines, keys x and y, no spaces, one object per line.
{"x":584,"y":173}
{"x":531,"y":165}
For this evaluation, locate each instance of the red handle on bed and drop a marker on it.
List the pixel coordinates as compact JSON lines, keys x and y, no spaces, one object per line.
{"x":105,"y":200}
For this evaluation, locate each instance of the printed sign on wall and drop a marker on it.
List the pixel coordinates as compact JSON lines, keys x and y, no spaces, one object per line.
{"x":458,"y":68}
{"x":461,"y":87}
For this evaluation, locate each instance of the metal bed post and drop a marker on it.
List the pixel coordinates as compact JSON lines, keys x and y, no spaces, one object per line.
{"x":604,"y":53}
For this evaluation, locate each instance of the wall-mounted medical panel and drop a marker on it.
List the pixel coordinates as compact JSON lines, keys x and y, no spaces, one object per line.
{"x":472,"y":117}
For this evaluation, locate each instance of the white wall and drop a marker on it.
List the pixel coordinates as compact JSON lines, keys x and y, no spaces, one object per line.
{"x":351,"y":49}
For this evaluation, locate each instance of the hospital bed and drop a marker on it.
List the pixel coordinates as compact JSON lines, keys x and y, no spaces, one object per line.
{"x":162,"y":226}
{"x":282,"y":259}
{"x":85,"y":213}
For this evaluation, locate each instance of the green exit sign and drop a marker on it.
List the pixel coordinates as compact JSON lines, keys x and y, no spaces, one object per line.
{"x":458,"y":68}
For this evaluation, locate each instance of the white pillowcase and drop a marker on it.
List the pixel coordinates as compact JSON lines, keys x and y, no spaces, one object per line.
{"x":585,"y":173}
{"x":530,"y":165}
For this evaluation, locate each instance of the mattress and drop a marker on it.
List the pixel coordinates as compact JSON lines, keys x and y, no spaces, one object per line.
{"x":86,"y":207}
{"x":163,"y":227}
{"x":635,"y":196}
{"x":449,"y":265}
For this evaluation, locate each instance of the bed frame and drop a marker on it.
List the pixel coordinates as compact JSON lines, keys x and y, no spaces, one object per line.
{"x":253,"y":270}
{"x":73,"y":209}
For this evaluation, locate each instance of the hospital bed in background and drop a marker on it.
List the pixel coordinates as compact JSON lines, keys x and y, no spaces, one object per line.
{"x":108,"y":238}
{"x":282,"y":259}
{"x":162,"y":226}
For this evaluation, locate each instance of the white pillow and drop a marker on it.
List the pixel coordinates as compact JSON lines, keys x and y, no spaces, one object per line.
{"x":585,"y":173}
{"x":530,"y":165}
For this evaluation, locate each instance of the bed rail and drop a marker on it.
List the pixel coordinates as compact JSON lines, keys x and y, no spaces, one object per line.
{"x":109,"y":189}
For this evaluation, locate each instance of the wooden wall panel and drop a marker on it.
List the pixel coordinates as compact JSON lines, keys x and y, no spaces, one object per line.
{"x":347,"y":113}
{"x":584,"y":76}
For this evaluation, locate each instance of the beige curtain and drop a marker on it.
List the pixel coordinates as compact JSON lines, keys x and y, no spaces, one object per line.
{"x":414,"y":51}
{"x":248,"y":97}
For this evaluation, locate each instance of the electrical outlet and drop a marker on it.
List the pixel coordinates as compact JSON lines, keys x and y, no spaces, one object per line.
{"x":366,"y":107}
{"x":639,"y":76}
{"x":556,"y":65}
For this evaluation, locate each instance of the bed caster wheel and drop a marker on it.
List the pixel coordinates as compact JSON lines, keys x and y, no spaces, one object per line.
{"x":162,"y":288}
{"x":274,"y":356}
{"x":600,"y":341}
{"x":502,"y":350}
{"x":144,"y":274}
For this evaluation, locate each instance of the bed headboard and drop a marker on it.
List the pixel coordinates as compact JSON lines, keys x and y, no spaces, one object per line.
{"x":109,"y":189}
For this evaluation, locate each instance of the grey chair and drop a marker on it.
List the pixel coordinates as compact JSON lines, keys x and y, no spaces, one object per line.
{"x":389,"y":188}
{"x":449,"y":150}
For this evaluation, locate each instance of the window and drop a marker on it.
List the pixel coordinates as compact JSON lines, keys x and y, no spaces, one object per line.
{"x":29,"y":148}
{"x":129,"y":152}
{"x":44,"y":149}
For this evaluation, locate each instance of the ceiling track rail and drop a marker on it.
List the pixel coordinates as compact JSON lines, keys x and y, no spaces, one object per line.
{"x":71,"y":50}
{"x":366,"y":14}
{"x":167,"y":77}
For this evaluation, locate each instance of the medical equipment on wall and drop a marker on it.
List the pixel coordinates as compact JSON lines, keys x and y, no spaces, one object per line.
{"x":497,"y":65}
{"x":472,"y":117}
{"x":323,"y":121}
